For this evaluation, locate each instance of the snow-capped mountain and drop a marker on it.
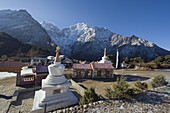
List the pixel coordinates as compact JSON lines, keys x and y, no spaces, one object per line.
{"x":84,"y":42}
{"x":21,"y":25}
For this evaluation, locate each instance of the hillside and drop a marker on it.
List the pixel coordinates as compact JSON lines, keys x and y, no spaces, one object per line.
{"x":22,"y":26}
{"x":10,"y":47}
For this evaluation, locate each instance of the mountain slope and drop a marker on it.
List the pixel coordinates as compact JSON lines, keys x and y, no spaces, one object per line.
{"x":22,"y":26}
{"x":83,"y":42}
{"x":12,"y":47}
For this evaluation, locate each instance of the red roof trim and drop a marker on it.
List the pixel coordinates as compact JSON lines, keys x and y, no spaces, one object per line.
{"x":82,"y":66}
{"x":93,"y":66}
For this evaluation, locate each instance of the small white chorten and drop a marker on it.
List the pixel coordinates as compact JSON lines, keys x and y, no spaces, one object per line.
{"x":55,"y":91}
{"x":104,"y":58}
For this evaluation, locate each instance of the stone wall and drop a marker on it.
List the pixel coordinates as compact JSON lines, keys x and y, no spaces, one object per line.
{"x":80,"y":89}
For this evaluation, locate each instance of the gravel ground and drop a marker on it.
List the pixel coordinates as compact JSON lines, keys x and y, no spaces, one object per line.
{"x":24,"y":103}
{"x":7,"y":88}
{"x":146,"y":102}
{"x":157,"y":101}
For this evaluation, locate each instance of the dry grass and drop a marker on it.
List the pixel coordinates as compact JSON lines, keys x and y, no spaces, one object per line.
{"x":8,"y":81}
{"x":99,"y":86}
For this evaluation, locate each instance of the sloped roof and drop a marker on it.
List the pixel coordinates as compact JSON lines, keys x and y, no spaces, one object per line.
{"x":11,"y":64}
{"x":101,"y":66}
{"x":27,"y":71}
{"x":81,"y":66}
{"x":93,"y":66}
{"x":41,"y":69}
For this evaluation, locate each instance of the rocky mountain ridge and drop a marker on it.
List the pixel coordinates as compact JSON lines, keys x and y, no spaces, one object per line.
{"x":84,"y":42}
{"x":79,"y":41}
{"x":21,"y":25}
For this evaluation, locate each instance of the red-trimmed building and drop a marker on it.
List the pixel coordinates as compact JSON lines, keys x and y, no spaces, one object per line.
{"x":82,"y":71}
{"x":93,"y":70}
{"x":32,"y":76}
{"x":11,"y":66}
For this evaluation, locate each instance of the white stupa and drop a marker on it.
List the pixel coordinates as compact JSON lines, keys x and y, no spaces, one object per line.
{"x":55,"y":91}
{"x":104,"y":58}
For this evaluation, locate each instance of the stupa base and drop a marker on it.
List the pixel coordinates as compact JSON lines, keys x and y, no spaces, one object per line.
{"x":39,"y":106}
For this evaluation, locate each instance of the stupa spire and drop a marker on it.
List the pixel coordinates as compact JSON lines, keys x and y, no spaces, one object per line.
{"x":104,"y":51}
{"x":57,"y":54}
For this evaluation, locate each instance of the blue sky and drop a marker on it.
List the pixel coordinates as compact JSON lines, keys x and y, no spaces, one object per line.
{"x":147,"y":19}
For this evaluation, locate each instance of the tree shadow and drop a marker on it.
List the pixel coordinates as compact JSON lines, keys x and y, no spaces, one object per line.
{"x":131,"y":78}
{"x":95,"y":79}
{"x":5,"y":97}
{"x":76,"y":94}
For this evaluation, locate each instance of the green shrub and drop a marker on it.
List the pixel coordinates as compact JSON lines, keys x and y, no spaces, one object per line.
{"x":89,"y":96}
{"x":141,"y":85}
{"x":120,"y":89}
{"x":109,"y":93}
{"x":159,"y":81}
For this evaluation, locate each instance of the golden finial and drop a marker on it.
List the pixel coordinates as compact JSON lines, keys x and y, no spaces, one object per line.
{"x":57,"y":54}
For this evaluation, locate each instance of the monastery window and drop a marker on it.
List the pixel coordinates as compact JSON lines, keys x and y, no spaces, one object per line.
{"x":89,"y":73}
{"x":28,"y":79}
{"x":111,"y":72}
{"x":74,"y":73}
{"x":102,"y":73}
{"x":56,"y":91}
{"x":82,"y":73}
{"x":94,"y":73}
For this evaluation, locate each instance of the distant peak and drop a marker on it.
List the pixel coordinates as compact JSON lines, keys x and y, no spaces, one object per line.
{"x":7,"y":11}
{"x":78,"y":25}
{"x":134,"y":36}
{"x":49,"y":25}
{"x":81,"y":24}
{"x":23,"y":10}
{"x":10,"y":11}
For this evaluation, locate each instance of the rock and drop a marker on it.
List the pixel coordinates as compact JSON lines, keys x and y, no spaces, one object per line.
{"x":90,"y":104}
{"x":85,"y":106}
{"x":64,"y":110}
{"x":71,"y":108}
{"x":59,"y":111}
{"x":75,"y":107}
{"x":101,"y":101}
